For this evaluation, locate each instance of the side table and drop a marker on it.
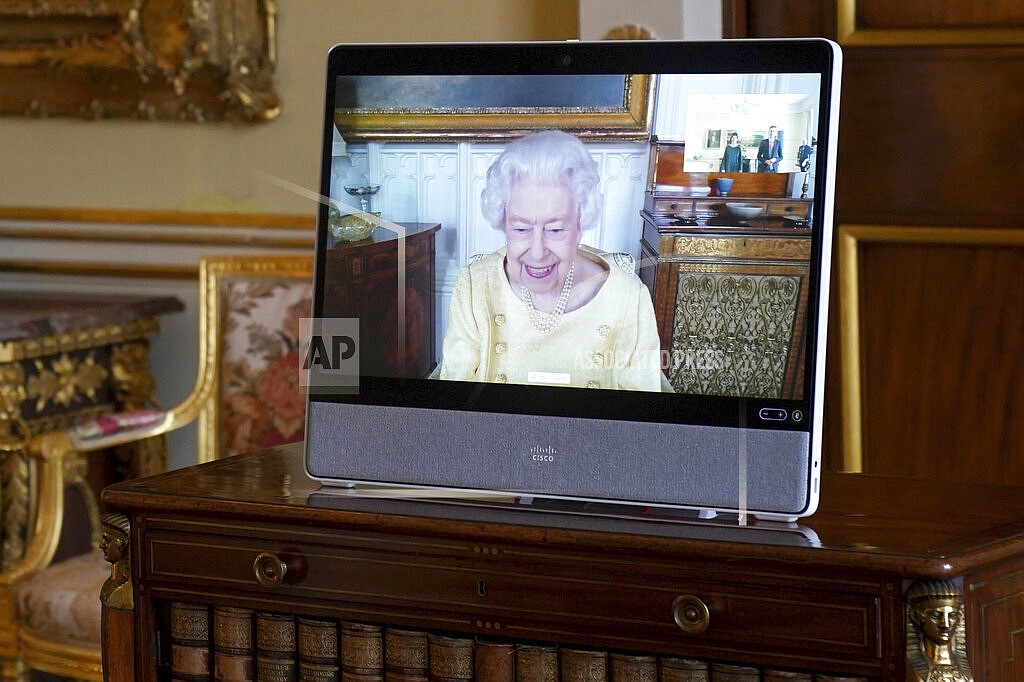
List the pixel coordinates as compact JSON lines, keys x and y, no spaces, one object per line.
{"x":63,"y":359}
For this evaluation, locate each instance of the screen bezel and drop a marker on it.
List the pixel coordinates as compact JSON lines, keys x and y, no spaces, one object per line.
{"x":641,"y":57}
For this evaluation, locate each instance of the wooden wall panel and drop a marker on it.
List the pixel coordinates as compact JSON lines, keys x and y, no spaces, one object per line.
{"x":928,"y":136}
{"x":910,"y":14}
{"x":993,"y":611}
{"x":941,"y":388}
{"x":931,"y":107}
{"x":777,"y":18}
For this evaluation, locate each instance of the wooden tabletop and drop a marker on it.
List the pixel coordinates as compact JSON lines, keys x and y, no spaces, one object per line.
{"x":32,"y":314}
{"x":918,"y":529}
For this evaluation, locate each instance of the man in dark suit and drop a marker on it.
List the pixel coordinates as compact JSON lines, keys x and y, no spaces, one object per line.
{"x":769,"y":152}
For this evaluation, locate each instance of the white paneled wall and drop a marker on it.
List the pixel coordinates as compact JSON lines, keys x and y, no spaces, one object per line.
{"x":442,"y":182}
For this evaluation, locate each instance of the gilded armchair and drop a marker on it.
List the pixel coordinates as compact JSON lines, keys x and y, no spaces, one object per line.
{"x":245,"y":396}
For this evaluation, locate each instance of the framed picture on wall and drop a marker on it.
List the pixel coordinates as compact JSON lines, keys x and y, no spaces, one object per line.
{"x":429,"y":107}
{"x":178,"y":60}
{"x":713,"y":138}
{"x":752,"y":139}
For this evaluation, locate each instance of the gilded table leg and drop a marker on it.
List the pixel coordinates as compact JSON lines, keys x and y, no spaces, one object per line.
{"x":15,"y":500}
{"x":150,"y":456}
{"x":14,"y":671}
{"x":135,"y":387}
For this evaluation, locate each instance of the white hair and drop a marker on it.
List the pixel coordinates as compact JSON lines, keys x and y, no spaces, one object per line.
{"x":550,"y":155}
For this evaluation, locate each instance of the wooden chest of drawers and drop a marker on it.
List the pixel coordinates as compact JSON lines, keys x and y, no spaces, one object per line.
{"x":828,"y":596}
{"x":363,"y":279}
{"x":482,"y":584}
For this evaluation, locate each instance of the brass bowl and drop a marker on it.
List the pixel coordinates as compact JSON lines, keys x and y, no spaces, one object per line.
{"x":352,"y":227}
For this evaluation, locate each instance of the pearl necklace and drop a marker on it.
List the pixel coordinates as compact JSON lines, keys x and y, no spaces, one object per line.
{"x":542,"y":321}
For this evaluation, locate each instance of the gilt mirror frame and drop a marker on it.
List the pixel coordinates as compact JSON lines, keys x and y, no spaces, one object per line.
{"x":194,"y":60}
{"x":611,"y":106}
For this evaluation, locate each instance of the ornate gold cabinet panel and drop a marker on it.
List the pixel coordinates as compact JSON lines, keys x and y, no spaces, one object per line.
{"x":730,"y":297}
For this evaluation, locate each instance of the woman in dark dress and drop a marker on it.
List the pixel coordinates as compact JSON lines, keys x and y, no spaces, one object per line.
{"x":732,"y":158}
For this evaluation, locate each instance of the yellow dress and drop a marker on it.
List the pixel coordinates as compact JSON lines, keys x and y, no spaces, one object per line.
{"x":610,"y":342}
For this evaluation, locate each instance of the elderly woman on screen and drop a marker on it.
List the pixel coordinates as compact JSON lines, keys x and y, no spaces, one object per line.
{"x":545,"y":309}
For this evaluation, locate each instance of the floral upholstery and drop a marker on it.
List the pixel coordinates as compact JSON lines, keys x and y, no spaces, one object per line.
{"x":261,"y":403}
{"x":61,"y":602}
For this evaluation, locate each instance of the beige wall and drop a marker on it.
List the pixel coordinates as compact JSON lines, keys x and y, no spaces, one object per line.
{"x":126,"y":164}
{"x":169,"y":166}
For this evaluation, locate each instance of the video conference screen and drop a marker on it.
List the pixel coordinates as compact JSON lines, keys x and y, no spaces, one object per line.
{"x":652,"y":233}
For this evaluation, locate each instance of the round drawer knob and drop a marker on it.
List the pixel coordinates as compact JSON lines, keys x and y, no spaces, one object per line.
{"x":269,"y":570}
{"x":691,"y":614}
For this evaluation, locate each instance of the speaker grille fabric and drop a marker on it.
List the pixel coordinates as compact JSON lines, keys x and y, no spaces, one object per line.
{"x":679,"y":465}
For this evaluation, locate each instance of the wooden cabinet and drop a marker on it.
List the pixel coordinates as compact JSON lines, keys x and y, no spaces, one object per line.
{"x":730,"y":297}
{"x":366,"y":279}
{"x":828,"y":595}
{"x":730,"y":291}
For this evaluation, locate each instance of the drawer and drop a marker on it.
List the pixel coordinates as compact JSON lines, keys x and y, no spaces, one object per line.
{"x":799,"y":209}
{"x":524,"y":595}
{"x":670,"y":206}
{"x":716,"y":205}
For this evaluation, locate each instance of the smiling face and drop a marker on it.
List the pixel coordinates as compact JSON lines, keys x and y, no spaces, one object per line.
{"x":542,"y":233}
